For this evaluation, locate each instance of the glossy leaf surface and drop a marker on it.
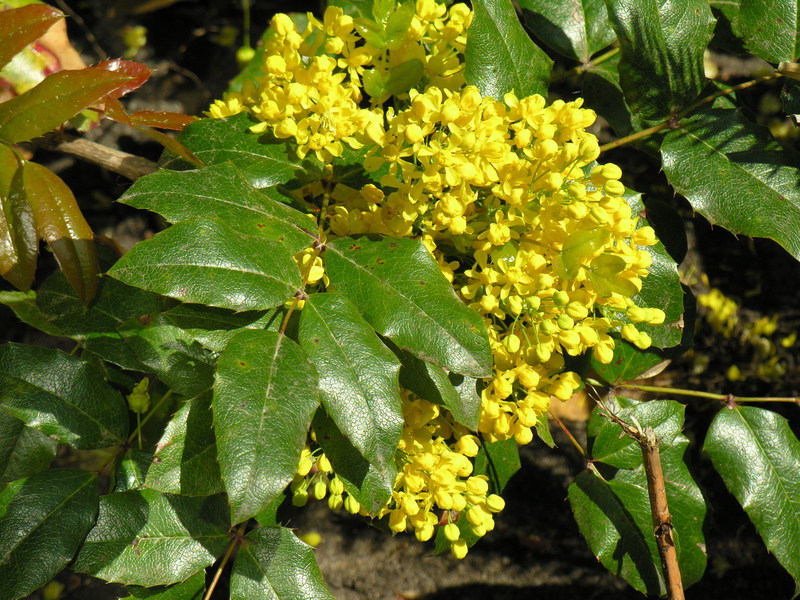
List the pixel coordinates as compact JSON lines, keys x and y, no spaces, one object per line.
{"x":43,"y":520}
{"x":500,"y":56}
{"x":758,"y":457}
{"x":192,"y":589}
{"x":22,"y":26}
{"x":264,"y":397}
{"x":140,"y":534}
{"x":227,"y":270}
{"x":400,"y":291}
{"x":61,"y":396}
{"x":24,"y":451}
{"x":769,"y":28}
{"x":734,"y":174}
{"x":274,"y":564}
{"x":19,"y":240}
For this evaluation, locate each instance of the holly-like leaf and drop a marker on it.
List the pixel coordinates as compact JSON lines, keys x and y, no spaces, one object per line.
{"x":736,"y":176}
{"x":264,"y":397}
{"x":185,"y":461}
{"x":24,"y":451}
{"x":227,"y":269}
{"x":458,"y":393}
{"x":59,"y":97}
{"x":61,"y":396}
{"x":758,"y":457}
{"x":662,"y":46}
{"x":629,"y":363}
{"x":22,"y":26}
{"x":273,"y":563}
{"x":263,"y":160}
{"x":613,"y":513}
{"x":61,"y":224}
{"x":192,"y":589}
{"x":576,"y":29}
{"x":24,"y":306}
{"x":769,"y":28}
{"x":398,"y":288}
{"x":43,"y":520}
{"x":19,"y":241}
{"x":140,"y":535}
{"x":358,"y":378}
{"x":500,"y":57}
{"x":499,"y":461}
{"x":131,"y":471}
{"x":221,"y":191}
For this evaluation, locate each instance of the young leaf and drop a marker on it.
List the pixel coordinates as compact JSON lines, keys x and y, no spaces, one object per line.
{"x":358,"y":378}
{"x":770,"y":28}
{"x":59,"y":97}
{"x":265,"y":162}
{"x":398,"y":288}
{"x":192,"y":589}
{"x":575,"y":29}
{"x":758,"y":457}
{"x":43,"y":520}
{"x":735,"y":175}
{"x":143,"y":537}
{"x":61,"y":396}
{"x":500,"y":57}
{"x":662,"y":46}
{"x":22,"y":26}
{"x":19,"y":241}
{"x":61,"y":224}
{"x":227,"y":270}
{"x":185,"y":461}
{"x":221,"y":191}
{"x":273,"y":563}
{"x":264,"y":397}
{"x":23,"y":451}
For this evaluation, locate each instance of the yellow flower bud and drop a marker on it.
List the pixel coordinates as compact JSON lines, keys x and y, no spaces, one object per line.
{"x":451,"y":532}
{"x":459,"y":549}
{"x":495,"y":503}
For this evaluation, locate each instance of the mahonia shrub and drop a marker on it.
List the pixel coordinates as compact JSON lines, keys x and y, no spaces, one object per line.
{"x":507,"y":197}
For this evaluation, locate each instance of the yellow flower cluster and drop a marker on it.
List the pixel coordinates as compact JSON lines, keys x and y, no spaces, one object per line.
{"x":507,"y":196}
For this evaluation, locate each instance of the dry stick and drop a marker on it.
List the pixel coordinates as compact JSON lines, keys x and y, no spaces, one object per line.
{"x":659,"y":509}
{"x":128,"y":165}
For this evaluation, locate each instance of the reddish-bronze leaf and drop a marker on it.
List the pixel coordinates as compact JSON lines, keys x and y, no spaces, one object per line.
{"x":161,"y":119}
{"x":60,"y":223}
{"x":22,"y":26}
{"x":172,"y":144}
{"x":59,"y":97}
{"x":19,"y":243}
{"x":138,"y":73}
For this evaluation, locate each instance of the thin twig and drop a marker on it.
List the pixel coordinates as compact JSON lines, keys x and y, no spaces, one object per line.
{"x":710,"y":395}
{"x":571,"y":437}
{"x":237,"y":538}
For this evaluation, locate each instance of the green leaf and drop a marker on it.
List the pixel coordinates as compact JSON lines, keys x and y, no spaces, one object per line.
{"x":59,"y":97}
{"x":500,"y":57}
{"x":61,"y":396}
{"x":614,"y":513}
{"x":227,"y":270}
{"x":264,"y":161}
{"x":23,"y":450}
{"x":24,"y":306}
{"x":736,"y":176}
{"x":458,"y":393}
{"x":192,"y":589}
{"x":19,"y":240}
{"x":769,"y":28}
{"x":602,"y":91}
{"x":131,"y":470}
{"x":543,"y":430}
{"x":140,"y":535}
{"x":223,"y":192}
{"x":264,"y":397}
{"x":22,"y":26}
{"x":398,"y":288}
{"x":61,"y":224}
{"x":576,"y":29}
{"x":43,"y":520}
{"x":499,"y":461}
{"x":274,"y":564}
{"x":662,"y":46}
{"x":358,"y":378}
{"x":185,"y":461}
{"x":628,"y":363}
{"x":360,"y":478}
{"x":758,"y":457}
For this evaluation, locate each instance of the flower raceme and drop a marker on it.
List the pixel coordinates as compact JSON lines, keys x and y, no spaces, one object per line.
{"x":507,"y":196}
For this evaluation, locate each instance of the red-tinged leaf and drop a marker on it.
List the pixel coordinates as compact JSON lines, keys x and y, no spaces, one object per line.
{"x":138,"y":73}
{"x":172,"y":145}
{"x":162,"y":119}
{"x":19,"y":244}
{"x":59,"y":97}
{"x":60,"y":223}
{"x":114,"y":110}
{"x":22,"y":26}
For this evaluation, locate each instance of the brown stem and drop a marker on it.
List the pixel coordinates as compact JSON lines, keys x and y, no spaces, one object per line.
{"x":128,"y":165}
{"x":237,"y":539}
{"x":571,"y":437}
